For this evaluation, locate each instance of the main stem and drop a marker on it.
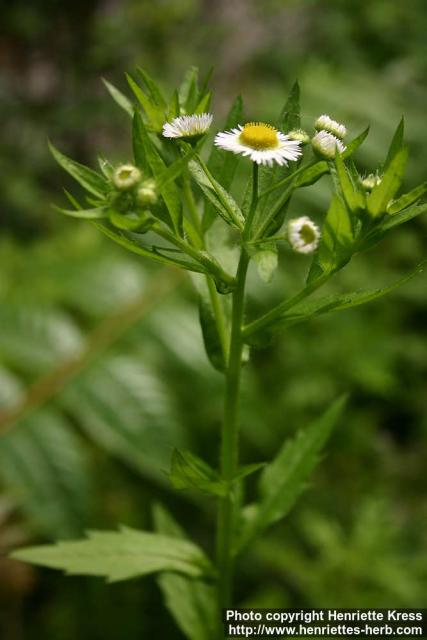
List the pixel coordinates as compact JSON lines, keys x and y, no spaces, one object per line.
{"x":230,"y":425}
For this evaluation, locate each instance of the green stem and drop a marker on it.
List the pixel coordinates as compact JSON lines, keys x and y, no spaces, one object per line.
{"x":280,"y":309}
{"x":198,"y":240}
{"x":230,"y":426}
{"x":287,"y":179}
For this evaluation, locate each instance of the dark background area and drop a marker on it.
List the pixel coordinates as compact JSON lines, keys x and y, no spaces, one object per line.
{"x":94,"y":448}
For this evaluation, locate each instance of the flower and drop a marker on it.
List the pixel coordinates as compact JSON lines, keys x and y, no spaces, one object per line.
{"x":147,"y":193}
{"x":261,"y":142}
{"x":186,"y":127}
{"x":300,"y":135}
{"x":326,"y":123}
{"x":371,"y":181}
{"x":303,"y":235}
{"x":126,"y":176}
{"x":325,"y":145}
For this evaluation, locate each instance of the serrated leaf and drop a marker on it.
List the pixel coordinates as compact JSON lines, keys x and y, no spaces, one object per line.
{"x":168,"y":191}
{"x":120,"y":555}
{"x":119,"y":97}
{"x":223,"y":201}
{"x":284,"y":479}
{"x":336,"y":244}
{"x":395,"y":206}
{"x":383,"y":192}
{"x":290,"y":117}
{"x":86,"y":214}
{"x":188,"y":471}
{"x":191,"y":602}
{"x":396,"y":220}
{"x":221,"y":164}
{"x":87,"y":178}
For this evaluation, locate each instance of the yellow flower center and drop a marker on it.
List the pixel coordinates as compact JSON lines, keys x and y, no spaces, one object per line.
{"x":259,"y":136}
{"x":307,"y":234}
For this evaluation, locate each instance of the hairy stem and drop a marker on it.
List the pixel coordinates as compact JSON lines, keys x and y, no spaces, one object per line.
{"x":230,"y":426}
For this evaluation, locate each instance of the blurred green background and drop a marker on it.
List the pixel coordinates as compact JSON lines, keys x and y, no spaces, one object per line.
{"x":97,"y":384}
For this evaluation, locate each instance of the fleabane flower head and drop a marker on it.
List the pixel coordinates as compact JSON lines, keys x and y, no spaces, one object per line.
{"x":261,"y":142}
{"x":325,"y":145}
{"x":303,"y":235}
{"x":188,"y":127}
{"x":325,"y":123}
{"x":126,"y":176}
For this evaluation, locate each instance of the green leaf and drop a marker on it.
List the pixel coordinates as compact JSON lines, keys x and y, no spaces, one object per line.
{"x":120,"y":98}
{"x":399,"y":218}
{"x":248,"y":470}
{"x":222,"y":164}
{"x":89,"y":179}
{"x":354,"y":144}
{"x":120,"y":555}
{"x":223,"y":202}
{"x":352,"y":197}
{"x":336,"y":244}
{"x":204,"y":103}
{"x":169,"y":191}
{"x":155,"y":115}
{"x":211,"y":338}
{"x":188,"y":91}
{"x":191,"y":602}
{"x":188,"y":471}
{"x":174,"y":170}
{"x":284,"y":479}
{"x":173,"y":109}
{"x":407,"y":199}
{"x":307,"y":310}
{"x":396,"y":144}
{"x":154,"y":253}
{"x":86,"y":214}
{"x":290,"y":117}
{"x":311,"y":174}
{"x":153,"y":89}
{"x":382,"y":193}
{"x":267,"y":260}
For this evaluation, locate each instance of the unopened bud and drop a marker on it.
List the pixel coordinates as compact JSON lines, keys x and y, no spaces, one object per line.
{"x":126,"y":176}
{"x":325,"y":145}
{"x":299,"y":135}
{"x":147,"y":193}
{"x":325,"y":123}
{"x":371,"y":181}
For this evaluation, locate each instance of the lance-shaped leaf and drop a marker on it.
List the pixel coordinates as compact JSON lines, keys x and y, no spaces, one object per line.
{"x":390,"y":222}
{"x":214,"y":315}
{"x":395,"y":206}
{"x":131,"y":243}
{"x":191,"y":602}
{"x":120,"y":555}
{"x":89,"y":179}
{"x":189,"y":91}
{"x":223,"y":201}
{"x":353,"y":198}
{"x":284,"y":479}
{"x":309,"y":309}
{"x":188,"y":471}
{"x":336,"y":244}
{"x":222,"y":164}
{"x":153,"y":90}
{"x":155,"y":114}
{"x":168,"y":190}
{"x":383,"y":192}
{"x":396,"y":144}
{"x":119,"y":97}
{"x":86,"y":214}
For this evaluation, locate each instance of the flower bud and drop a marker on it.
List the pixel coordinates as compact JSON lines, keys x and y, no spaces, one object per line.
{"x":303,"y":235}
{"x":325,"y":123}
{"x":371,"y":181}
{"x":126,"y":176}
{"x":147,"y":193}
{"x":325,"y":145}
{"x":299,"y":135}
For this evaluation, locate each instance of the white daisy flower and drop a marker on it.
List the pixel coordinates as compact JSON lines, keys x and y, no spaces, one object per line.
{"x":303,"y":235}
{"x":126,"y":176}
{"x":188,"y":126}
{"x":325,"y":145}
{"x":326,"y":123}
{"x":261,"y":142}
